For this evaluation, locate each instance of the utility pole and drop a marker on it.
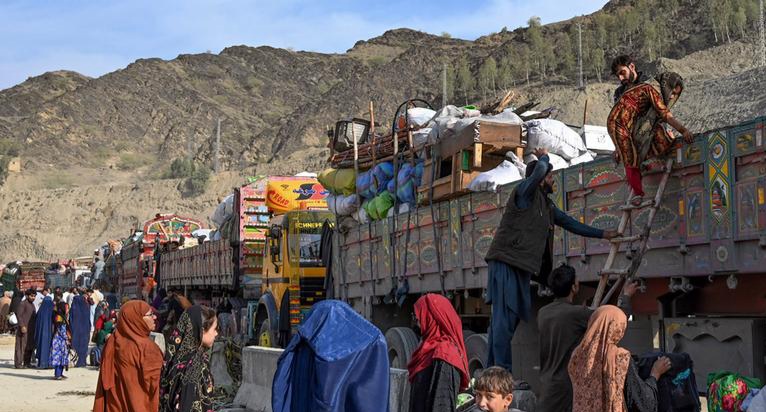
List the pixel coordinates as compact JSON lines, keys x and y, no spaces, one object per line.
{"x":762,"y":31}
{"x":444,"y":82}
{"x":579,"y":56}
{"x":217,"y":146}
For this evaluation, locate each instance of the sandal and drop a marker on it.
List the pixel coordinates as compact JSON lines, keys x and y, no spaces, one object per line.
{"x":636,"y":200}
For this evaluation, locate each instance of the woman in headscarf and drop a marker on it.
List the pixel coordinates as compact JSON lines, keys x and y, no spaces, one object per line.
{"x":79,"y":323}
{"x":59,"y":357}
{"x":439,"y":366}
{"x":637,"y":122}
{"x":604,"y":377}
{"x":131,"y":364}
{"x":44,"y":332}
{"x":187,"y":384}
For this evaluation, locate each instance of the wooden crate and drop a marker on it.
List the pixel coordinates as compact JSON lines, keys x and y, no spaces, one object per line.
{"x":456,"y":181}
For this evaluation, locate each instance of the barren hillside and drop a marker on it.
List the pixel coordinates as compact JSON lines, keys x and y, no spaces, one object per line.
{"x":94,"y":150}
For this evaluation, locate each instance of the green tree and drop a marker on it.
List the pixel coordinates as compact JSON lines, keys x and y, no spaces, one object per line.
{"x":450,"y":83}
{"x":197,"y":182}
{"x":739,"y":19}
{"x":537,"y":44}
{"x":599,"y":62}
{"x":565,"y":54}
{"x":487,"y":75}
{"x":464,"y":80}
{"x":181,"y":168}
{"x":522,"y":64}
{"x":505,"y":75}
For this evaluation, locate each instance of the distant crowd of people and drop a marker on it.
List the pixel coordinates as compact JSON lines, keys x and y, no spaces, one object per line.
{"x":52,"y":330}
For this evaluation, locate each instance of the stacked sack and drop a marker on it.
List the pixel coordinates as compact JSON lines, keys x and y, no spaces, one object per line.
{"x":565,"y":147}
{"x":341,"y":183}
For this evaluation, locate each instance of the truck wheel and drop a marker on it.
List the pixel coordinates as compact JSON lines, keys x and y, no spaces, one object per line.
{"x":265,"y":335}
{"x":477,"y":348}
{"x":401,"y":343}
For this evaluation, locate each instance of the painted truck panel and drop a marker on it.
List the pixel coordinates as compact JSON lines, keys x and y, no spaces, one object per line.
{"x":712,"y":221}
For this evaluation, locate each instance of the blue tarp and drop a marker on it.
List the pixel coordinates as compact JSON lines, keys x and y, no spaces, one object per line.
{"x":337,"y":361}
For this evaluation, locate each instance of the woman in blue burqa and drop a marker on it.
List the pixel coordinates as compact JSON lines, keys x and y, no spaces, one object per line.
{"x":79,"y":323}
{"x":336,"y":362}
{"x":44,"y":332}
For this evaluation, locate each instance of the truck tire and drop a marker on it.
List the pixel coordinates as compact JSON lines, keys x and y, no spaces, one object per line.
{"x":401,"y":343}
{"x":266,"y":336}
{"x":477,"y":349}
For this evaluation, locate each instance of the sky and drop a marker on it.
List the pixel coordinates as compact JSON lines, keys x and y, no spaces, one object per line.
{"x":94,"y":37}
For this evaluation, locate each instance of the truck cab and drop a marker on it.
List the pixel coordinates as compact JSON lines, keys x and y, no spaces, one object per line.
{"x":293,"y":274}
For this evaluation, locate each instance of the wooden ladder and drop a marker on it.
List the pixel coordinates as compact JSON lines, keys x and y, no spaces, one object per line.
{"x":629,"y":272}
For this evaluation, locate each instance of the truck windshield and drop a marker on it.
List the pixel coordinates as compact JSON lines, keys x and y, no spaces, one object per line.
{"x":305,"y":237}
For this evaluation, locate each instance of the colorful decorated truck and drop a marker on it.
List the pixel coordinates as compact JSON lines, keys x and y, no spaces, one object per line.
{"x":267,"y":254}
{"x":136,"y":259}
{"x":704,"y":288}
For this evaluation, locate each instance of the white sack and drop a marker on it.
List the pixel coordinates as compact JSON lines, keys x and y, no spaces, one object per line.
{"x":511,"y":157}
{"x":223,"y":211}
{"x":488,"y":181}
{"x":555,"y":136}
{"x":597,"y":139}
{"x":587,"y":157}
{"x":557,"y":161}
{"x":361,"y":216}
{"x":419,"y":116}
{"x":342,"y":205}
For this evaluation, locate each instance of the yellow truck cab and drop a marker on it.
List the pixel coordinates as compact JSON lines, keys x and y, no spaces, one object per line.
{"x":293,"y":273}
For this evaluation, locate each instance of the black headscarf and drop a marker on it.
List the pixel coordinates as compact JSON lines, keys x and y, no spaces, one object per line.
{"x":668,"y":82}
{"x":186,"y":379}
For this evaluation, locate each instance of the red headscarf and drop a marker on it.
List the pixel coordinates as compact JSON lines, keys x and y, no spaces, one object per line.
{"x":442,"y":337}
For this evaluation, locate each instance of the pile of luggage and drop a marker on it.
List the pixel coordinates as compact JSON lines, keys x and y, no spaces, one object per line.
{"x":375,"y":176}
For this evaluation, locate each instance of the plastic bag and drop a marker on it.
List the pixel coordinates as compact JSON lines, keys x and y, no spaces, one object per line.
{"x":338,"y":181}
{"x":342,"y":205}
{"x":419,"y":116}
{"x":382,"y":173}
{"x":727,"y":391}
{"x":557,"y":161}
{"x":488,"y":181}
{"x":555,"y":136}
{"x":511,"y":157}
{"x":361,"y":214}
{"x":585,"y":158}
{"x":223,"y":211}
{"x":378,"y":208}
{"x":365,"y":185}
{"x":13,"y":320}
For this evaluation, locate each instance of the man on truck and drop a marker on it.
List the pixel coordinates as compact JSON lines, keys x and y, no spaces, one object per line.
{"x":523,"y":249}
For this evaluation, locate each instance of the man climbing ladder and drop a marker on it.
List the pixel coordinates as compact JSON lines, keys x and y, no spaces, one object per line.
{"x":637,"y":126}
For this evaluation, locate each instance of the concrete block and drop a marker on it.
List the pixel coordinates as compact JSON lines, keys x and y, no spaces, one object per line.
{"x":258,"y":368}
{"x":260,"y":364}
{"x":218,"y":366}
{"x":399,"y":391}
{"x":159,"y":339}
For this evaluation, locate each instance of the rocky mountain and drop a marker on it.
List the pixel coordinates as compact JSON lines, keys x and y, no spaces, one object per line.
{"x":84,"y":138}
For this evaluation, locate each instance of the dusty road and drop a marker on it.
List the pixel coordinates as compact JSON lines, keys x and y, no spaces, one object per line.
{"x":35,"y":389}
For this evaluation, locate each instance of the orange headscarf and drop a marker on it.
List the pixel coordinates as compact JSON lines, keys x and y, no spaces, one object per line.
{"x":130,"y":365}
{"x":598,"y":366}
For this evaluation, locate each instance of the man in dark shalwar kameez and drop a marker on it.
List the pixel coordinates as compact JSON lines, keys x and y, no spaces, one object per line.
{"x":25,"y":331}
{"x":562,"y":324}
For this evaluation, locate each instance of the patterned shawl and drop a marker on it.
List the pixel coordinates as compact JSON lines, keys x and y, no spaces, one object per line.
{"x":598,"y":366}
{"x":643,"y":130}
{"x":187,"y":384}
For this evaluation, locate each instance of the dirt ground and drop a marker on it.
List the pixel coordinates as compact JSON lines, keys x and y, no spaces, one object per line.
{"x":35,"y":389}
